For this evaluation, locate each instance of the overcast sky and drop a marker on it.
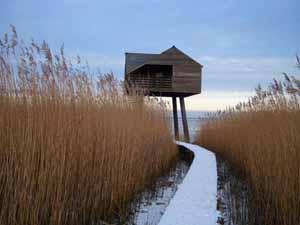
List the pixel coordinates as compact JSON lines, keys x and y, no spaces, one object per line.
{"x":240,"y":43}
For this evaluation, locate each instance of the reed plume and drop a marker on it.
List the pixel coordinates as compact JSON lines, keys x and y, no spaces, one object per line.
{"x":260,"y":138}
{"x":73,"y":147}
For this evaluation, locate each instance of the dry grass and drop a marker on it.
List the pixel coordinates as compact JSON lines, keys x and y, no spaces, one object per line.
{"x":73,"y":150}
{"x":261,"y":139}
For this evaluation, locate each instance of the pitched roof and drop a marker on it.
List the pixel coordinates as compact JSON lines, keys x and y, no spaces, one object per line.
{"x":134,"y":61}
{"x":174,"y":50}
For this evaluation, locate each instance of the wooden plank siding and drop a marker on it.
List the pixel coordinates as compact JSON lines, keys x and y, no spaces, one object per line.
{"x":184,"y":80}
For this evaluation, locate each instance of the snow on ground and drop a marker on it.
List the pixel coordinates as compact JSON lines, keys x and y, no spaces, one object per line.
{"x":153,"y":202}
{"x":195,"y":200}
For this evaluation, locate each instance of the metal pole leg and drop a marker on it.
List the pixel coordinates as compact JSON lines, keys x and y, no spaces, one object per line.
{"x":175,"y":118}
{"x":184,"y":120}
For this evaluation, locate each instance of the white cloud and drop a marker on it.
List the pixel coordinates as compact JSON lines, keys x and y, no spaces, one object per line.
{"x":246,"y":68}
{"x":226,"y":68}
{"x":236,"y":73}
{"x":215,"y":100}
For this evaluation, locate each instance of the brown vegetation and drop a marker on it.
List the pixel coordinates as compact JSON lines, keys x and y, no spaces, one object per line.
{"x":73,"y":150}
{"x":261,"y":139}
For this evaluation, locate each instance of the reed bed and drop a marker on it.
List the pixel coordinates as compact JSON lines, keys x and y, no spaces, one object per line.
{"x":261,"y":140}
{"x":73,"y":149}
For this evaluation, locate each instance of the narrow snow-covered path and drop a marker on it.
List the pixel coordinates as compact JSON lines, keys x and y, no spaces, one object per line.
{"x":195,"y":200}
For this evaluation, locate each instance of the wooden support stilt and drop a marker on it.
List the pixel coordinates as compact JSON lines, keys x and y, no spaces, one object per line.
{"x":184,"y":120}
{"x":175,"y":118}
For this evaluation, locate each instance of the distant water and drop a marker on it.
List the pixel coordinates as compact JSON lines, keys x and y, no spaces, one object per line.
{"x":194,"y":122}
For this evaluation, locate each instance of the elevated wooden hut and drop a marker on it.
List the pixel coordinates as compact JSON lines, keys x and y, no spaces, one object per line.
{"x":171,"y":73}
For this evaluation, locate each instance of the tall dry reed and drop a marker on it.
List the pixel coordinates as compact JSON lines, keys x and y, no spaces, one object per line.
{"x":261,"y":139}
{"x":73,"y":149}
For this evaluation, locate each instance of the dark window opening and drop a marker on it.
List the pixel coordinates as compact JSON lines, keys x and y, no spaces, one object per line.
{"x":153,"y":76}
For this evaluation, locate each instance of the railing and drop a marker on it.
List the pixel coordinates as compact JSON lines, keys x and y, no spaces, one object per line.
{"x":151,"y":82}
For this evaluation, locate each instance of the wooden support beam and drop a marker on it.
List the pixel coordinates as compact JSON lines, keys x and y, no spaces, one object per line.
{"x":175,"y":118}
{"x":184,"y":120}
